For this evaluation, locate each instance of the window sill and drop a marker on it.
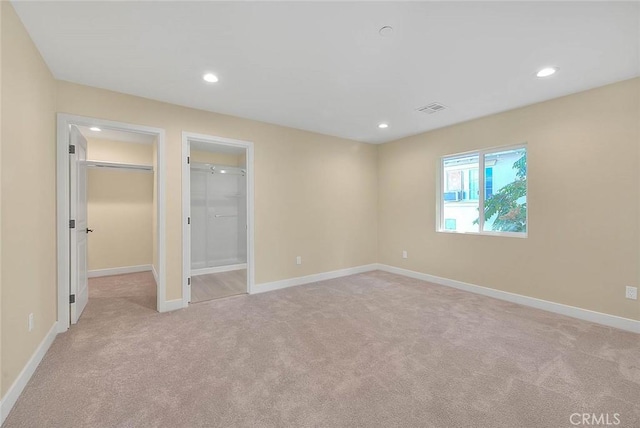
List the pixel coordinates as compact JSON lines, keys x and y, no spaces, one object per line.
{"x":503,"y":234}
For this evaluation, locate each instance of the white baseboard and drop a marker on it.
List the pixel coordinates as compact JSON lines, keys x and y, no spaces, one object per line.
{"x":218,"y":269}
{"x":291,"y":282}
{"x":155,"y":274}
{"x":10,"y":398}
{"x":558,"y":308}
{"x":172,"y":305}
{"x":118,"y":271}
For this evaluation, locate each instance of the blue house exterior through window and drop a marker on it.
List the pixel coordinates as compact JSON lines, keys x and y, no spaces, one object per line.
{"x":488,"y":182}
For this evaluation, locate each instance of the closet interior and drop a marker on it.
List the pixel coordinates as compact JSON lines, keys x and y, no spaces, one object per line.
{"x":218,"y":181}
{"x":121,"y":197}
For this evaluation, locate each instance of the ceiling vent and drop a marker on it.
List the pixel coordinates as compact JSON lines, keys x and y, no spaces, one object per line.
{"x":432,"y":108}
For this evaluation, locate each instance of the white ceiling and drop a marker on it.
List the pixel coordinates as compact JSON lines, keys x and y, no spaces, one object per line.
{"x":116,"y":135}
{"x":323,"y":66}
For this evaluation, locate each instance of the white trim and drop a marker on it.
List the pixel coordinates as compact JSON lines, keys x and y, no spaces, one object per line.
{"x":118,"y":270}
{"x":173,"y":305}
{"x":14,"y":391}
{"x":155,"y":274}
{"x":292,"y":282}
{"x":187,"y":137}
{"x":62,"y":211}
{"x":487,"y":233}
{"x":557,"y":308}
{"x":218,"y":269}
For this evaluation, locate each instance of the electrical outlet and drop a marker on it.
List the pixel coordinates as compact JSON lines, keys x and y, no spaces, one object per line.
{"x":631,"y":293}
{"x":299,"y":260}
{"x":30,"y":321}
{"x":405,"y":255}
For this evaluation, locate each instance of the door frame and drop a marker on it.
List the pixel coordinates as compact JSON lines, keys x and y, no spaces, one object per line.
{"x":63,"y":195}
{"x":187,"y":138}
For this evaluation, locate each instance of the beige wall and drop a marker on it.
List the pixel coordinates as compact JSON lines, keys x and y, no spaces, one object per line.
{"x":120,"y":206}
{"x":315,"y":195}
{"x":118,"y":151}
{"x":212,"y":157}
{"x":28,"y":195}
{"x":583,"y":244}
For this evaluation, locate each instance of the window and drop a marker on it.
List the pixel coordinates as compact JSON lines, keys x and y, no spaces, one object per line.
{"x":484,"y":192}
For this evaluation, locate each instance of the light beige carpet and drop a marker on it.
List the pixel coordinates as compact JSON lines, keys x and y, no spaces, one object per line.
{"x":368,"y":350}
{"x":217,"y":285}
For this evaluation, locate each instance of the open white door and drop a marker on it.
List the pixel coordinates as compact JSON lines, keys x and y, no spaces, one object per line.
{"x":79,"y":290}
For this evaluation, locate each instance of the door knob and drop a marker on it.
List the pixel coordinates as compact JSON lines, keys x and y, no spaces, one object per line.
{"x":89,"y":230}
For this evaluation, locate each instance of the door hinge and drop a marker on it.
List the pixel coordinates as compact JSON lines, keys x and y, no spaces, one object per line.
{"x":72,"y":298}
{"x":72,"y":149}
{"x":188,"y":160}
{"x":72,"y":224}
{"x":188,"y":220}
{"x":189,"y":281}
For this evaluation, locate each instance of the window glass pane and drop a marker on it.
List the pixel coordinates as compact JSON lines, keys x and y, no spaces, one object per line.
{"x":488,"y":182}
{"x":505,"y":206}
{"x":473,"y":184}
{"x":460,"y":196}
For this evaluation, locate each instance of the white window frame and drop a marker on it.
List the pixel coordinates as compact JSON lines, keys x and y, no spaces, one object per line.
{"x":440,"y":183}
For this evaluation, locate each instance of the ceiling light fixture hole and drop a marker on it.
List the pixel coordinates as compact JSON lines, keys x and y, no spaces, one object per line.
{"x":386,"y":31}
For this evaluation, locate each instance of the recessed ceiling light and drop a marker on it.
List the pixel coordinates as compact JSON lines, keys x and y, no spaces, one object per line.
{"x":210,"y":77}
{"x":386,"y":31}
{"x":95,"y":129}
{"x":383,"y":125}
{"x":547,"y":71}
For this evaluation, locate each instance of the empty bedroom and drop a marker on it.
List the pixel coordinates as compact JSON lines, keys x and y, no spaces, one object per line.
{"x":319,"y":214}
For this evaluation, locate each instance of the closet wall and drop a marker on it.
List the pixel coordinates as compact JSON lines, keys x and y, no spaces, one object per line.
{"x":212,"y":157}
{"x":120,"y":206}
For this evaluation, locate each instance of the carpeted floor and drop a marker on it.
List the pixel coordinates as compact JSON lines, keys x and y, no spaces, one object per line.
{"x":216,"y":285}
{"x":369,"y":350}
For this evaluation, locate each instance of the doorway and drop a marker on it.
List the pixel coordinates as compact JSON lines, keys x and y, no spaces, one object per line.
{"x":121,"y":196}
{"x":75,"y":163}
{"x":218,"y":217}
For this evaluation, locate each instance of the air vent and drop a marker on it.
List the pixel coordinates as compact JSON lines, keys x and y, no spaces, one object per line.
{"x":432,"y":108}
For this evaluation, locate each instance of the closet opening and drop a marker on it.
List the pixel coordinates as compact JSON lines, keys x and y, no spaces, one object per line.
{"x":111,"y":218}
{"x":216,"y":201}
{"x":121,"y":204}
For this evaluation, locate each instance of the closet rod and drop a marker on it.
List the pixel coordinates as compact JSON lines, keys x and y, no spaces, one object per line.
{"x":226,"y":215}
{"x":117,"y":165}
